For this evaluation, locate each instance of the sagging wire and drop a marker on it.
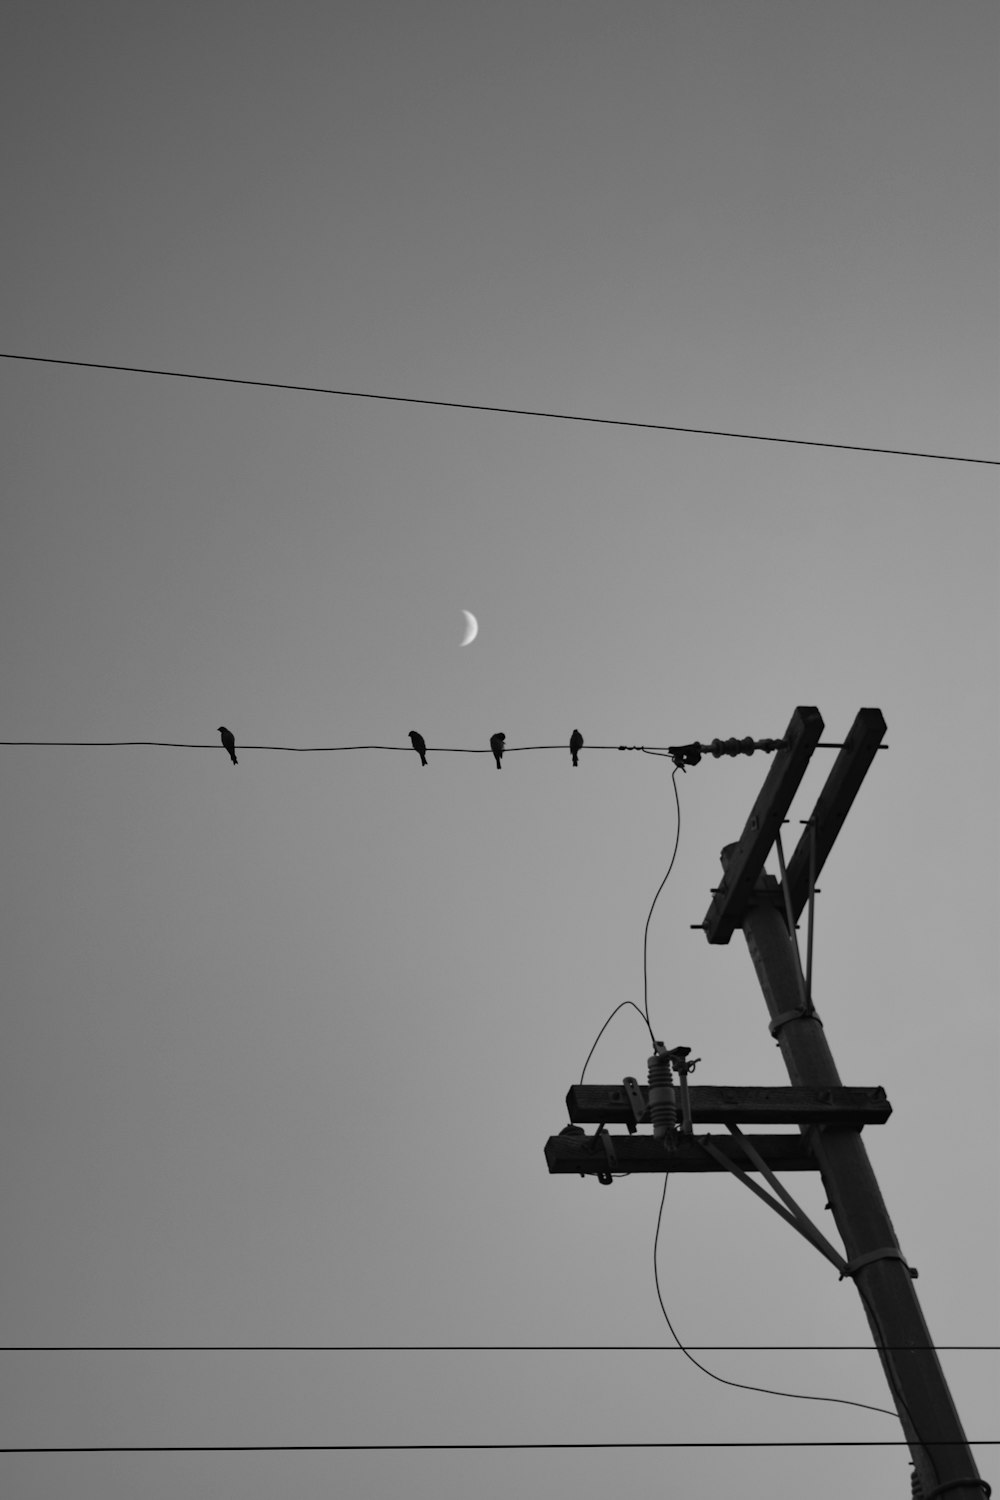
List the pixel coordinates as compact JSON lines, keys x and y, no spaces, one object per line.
{"x":673,"y":857}
{"x":607,"y":1023}
{"x":644,"y":1012}
{"x":741,"y":1385}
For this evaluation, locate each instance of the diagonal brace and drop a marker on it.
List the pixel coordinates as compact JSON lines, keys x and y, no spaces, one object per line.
{"x":792,"y":1213}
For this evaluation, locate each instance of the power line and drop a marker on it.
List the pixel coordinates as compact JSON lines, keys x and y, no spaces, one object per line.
{"x":320,"y":749}
{"x":334,"y":749}
{"x":486,"y":1447}
{"x":509,"y":411}
{"x":474,"y":1349}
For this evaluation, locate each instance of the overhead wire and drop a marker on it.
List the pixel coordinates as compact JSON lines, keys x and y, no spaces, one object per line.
{"x":476,"y":1349}
{"x":325,"y":749}
{"x":661,"y":750}
{"x":510,"y":411}
{"x":488,"y":1447}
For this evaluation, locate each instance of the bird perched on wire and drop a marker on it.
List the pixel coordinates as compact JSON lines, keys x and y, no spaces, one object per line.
{"x":420,"y":745}
{"x":228,"y":742}
{"x":575,"y":745}
{"x":496,"y":745}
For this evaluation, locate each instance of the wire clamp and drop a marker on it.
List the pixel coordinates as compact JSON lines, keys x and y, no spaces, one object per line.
{"x":801,"y":1014}
{"x":958,"y":1484}
{"x":889,"y":1253}
{"x":684,"y":755}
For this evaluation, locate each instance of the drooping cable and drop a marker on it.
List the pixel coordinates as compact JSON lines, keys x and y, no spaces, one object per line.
{"x":659,"y":888}
{"x":607,"y":1023}
{"x":644,"y":1012}
{"x":739,"y":1384}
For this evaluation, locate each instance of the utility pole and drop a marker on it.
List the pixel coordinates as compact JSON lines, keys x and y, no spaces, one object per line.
{"x":830,"y":1117}
{"x":919,"y":1390}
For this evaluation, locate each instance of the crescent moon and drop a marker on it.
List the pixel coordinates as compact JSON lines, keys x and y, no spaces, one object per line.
{"x":471,"y":627}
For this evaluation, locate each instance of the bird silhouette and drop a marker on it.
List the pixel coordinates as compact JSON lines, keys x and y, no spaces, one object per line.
{"x":575,"y":745}
{"x":420,"y":745}
{"x":228,"y":742}
{"x":496,"y":745}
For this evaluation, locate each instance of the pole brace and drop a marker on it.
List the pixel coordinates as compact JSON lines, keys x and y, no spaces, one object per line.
{"x":801,"y":1014}
{"x":787,"y":1208}
{"x":958,"y":1484}
{"x":889,"y":1253}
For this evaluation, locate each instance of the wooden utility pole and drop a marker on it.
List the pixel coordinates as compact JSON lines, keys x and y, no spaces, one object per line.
{"x":938,"y":1445}
{"x":829,"y":1116}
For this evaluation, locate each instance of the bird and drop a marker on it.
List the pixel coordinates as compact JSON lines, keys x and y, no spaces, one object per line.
{"x":575,"y":745}
{"x":228,"y":742}
{"x":496,"y":745}
{"x":420,"y":745}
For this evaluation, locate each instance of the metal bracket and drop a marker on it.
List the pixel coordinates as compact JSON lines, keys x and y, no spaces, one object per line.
{"x":792,"y":1015}
{"x":959,"y":1484}
{"x":890,"y":1253}
{"x":604,"y":1136}
{"x":640,"y":1110}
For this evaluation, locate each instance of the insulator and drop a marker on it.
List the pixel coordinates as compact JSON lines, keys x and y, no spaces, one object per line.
{"x":690,"y":755}
{"x":915,"y":1485}
{"x":732,"y":747}
{"x":662,"y":1098}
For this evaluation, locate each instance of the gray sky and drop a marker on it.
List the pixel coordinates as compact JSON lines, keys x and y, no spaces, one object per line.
{"x":283,"y":1042}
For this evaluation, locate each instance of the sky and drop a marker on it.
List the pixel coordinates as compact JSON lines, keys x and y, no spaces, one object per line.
{"x":283,"y":1042}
